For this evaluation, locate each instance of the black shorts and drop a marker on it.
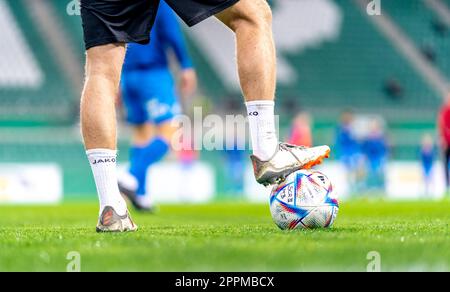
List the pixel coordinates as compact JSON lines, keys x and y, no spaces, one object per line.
{"x":130,"y":21}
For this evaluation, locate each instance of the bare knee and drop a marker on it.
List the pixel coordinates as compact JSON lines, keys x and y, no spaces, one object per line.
{"x":105,"y":62}
{"x":255,"y":14}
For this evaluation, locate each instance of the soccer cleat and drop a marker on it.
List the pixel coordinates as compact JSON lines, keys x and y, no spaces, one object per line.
{"x":110,"y":221}
{"x":131,"y":195}
{"x":288,"y":159}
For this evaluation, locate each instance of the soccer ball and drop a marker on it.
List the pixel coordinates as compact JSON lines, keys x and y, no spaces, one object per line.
{"x":305,"y":200}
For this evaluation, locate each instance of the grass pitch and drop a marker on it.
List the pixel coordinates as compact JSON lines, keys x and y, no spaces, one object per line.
{"x":408,"y":236}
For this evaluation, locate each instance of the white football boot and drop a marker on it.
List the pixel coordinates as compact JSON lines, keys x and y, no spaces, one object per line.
{"x":110,"y":221}
{"x":288,"y":159}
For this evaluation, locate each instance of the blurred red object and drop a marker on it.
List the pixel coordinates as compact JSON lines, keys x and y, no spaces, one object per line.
{"x":301,"y":131}
{"x":444,"y":124}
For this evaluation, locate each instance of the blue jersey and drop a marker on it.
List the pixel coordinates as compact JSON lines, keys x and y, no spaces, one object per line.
{"x":346,"y":143}
{"x":166,"y":35}
{"x":148,"y":88}
{"x":376,"y":150}
{"x":427,"y":157}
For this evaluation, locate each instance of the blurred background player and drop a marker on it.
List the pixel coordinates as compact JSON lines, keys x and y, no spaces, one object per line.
{"x":348,"y":148}
{"x":427,"y":157}
{"x":151,"y":100}
{"x":235,"y":156}
{"x":375,"y":150}
{"x":444,"y":132}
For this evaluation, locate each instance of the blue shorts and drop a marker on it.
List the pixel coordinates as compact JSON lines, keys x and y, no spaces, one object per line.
{"x":149,"y":96}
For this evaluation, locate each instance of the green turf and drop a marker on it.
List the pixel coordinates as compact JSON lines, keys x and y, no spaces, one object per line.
{"x":227,"y":237}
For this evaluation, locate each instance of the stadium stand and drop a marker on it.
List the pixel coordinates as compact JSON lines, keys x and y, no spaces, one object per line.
{"x":419,"y":22}
{"x":52,"y":100}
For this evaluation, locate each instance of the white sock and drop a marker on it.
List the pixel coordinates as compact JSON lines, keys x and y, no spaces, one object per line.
{"x":261,"y":118}
{"x":103,"y":165}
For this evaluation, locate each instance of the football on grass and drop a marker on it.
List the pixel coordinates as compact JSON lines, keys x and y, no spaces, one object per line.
{"x":305,"y":200}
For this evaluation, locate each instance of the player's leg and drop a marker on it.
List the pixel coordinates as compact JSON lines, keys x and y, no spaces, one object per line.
{"x":150,"y":145}
{"x":98,"y":120}
{"x":107,"y":26}
{"x":132,"y":183}
{"x":251,"y":20}
{"x":98,"y":124}
{"x":151,"y":104}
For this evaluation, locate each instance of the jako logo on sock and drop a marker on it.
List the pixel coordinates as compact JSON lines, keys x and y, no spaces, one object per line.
{"x":105,"y":160}
{"x":254,"y":114}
